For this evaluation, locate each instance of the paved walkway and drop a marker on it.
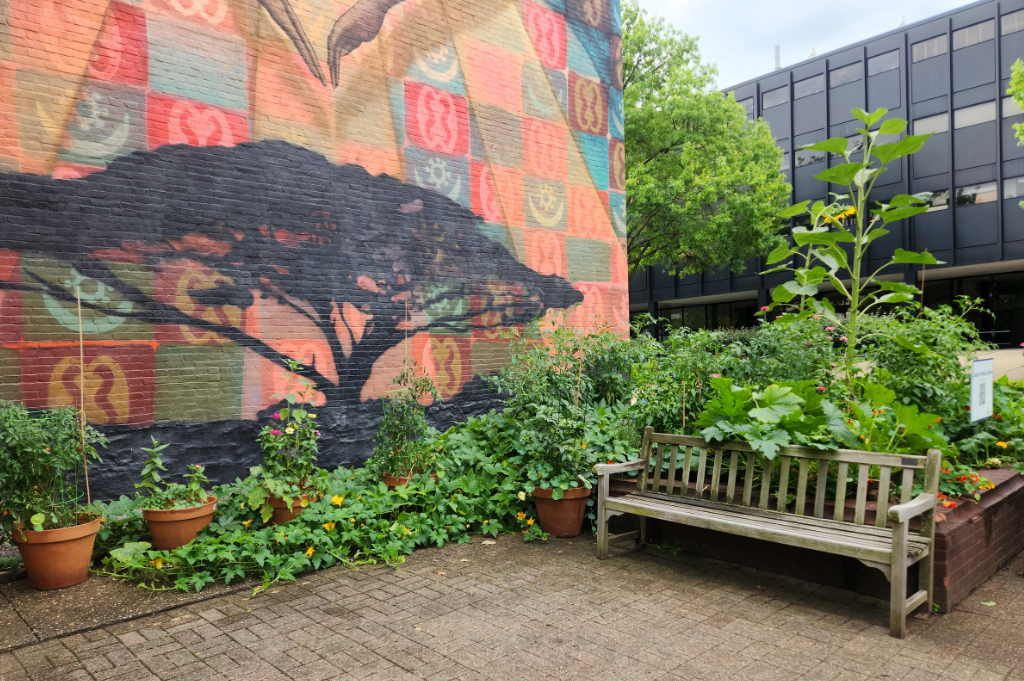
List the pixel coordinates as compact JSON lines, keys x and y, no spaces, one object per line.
{"x":539,"y":611}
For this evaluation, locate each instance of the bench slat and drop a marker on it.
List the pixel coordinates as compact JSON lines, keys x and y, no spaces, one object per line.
{"x":862,"y":495}
{"x":801,"y":488}
{"x":783,"y":483}
{"x":702,"y":464}
{"x":748,"y":481}
{"x":883,"y":497}
{"x":819,"y":494}
{"x":730,"y":491}
{"x":657,"y":467}
{"x":841,"y":473}
{"x":671,"y":489}
{"x":716,"y":475}
{"x":766,"y":484}
{"x":687,"y":463}
{"x":908,"y":485}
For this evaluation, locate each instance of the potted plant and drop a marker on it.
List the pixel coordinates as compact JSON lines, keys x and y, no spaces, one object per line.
{"x":177,"y":512}
{"x":400,"y":453}
{"x":288,"y":477}
{"x":42,"y":454}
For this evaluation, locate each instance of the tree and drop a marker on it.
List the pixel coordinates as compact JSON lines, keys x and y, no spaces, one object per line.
{"x":703,"y":185}
{"x":1017,"y":92}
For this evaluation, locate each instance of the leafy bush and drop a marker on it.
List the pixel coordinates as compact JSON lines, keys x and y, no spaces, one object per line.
{"x":161,"y":494}
{"x":399,"y":449}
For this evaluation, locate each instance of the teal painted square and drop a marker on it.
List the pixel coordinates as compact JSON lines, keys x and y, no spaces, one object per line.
{"x":199,"y":384}
{"x":544,"y":93}
{"x":617,"y":205}
{"x":396,"y":95}
{"x":557,"y":5}
{"x":588,"y":259}
{"x":616,"y":116}
{"x":108,"y":121}
{"x":589,"y":51}
{"x":446,"y":175}
{"x":496,"y":233}
{"x":616,"y":10}
{"x":189,"y":61}
{"x":438,"y":66}
{"x":595,"y":155}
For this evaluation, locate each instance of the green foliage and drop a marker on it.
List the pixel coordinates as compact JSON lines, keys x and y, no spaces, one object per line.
{"x":161,"y":494}
{"x":703,"y":185}
{"x":40,"y":456}
{"x":1016,"y":90}
{"x":399,"y":449}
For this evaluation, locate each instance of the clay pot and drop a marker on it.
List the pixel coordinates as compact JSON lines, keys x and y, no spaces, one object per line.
{"x":562,"y":518}
{"x":57,"y":558}
{"x":393,"y":481}
{"x":283,"y":514}
{"x":176,"y":527}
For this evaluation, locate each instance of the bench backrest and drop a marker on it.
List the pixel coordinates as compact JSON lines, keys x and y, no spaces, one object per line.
{"x":719,"y":479}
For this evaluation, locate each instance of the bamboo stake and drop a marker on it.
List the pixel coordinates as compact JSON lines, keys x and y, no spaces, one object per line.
{"x":81,"y":393}
{"x":684,"y":407}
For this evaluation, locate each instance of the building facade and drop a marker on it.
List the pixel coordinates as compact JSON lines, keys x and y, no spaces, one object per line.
{"x":948,"y":76}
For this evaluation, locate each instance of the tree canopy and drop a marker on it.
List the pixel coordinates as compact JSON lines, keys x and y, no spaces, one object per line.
{"x":1017,"y":92}
{"x":703,"y":184}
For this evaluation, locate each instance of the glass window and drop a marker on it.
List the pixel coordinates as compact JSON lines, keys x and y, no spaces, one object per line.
{"x":974,"y":115}
{"x":844,"y":75}
{"x":938,"y":201}
{"x":976,"y":193}
{"x":854,"y":144}
{"x":1011,"y":108}
{"x":933,"y":124}
{"x":1013,"y":22}
{"x":926,"y":49}
{"x":1013,"y":188}
{"x":809,"y":86}
{"x":806,"y":158}
{"x":748,"y":106}
{"x":890,"y":61}
{"x":972,"y":35}
{"x":695,"y":317}
{"x":775,"y":97}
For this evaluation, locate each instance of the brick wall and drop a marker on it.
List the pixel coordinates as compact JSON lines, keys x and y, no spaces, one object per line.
{"x":357,"y":186}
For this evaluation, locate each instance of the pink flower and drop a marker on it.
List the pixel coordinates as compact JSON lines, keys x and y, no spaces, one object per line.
{"x":778,"y":316}
{"x":828,"y":338}
{"x":275,"y":431}
{"x":821,"y":388}
{"x":843,"y":338}
{"x":317,"y":433}
{"x":716,"y":375}
{"x":830,"y":328}
{"x":765,"y":309}
{"x":277,"y":414}
{"x":807,"y":344}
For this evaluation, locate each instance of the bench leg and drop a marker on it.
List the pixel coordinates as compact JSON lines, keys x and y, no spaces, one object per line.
{"x":602,"y":518}
{"x":642,"y":522}
{"x":898,"y":582}
{"x":926,"y":577}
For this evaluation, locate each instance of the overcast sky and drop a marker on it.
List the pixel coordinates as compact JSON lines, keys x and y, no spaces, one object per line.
{"x":740,"y":35}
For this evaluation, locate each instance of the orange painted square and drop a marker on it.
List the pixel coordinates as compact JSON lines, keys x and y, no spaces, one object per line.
{"x":545,"y":149}
{"x":55,"y":35}
{"x":494,"y":75}
{"x":589,"y":216}
{"x":545,"y":251}
{"x":375,"y":160}
{"x":10,"y":300}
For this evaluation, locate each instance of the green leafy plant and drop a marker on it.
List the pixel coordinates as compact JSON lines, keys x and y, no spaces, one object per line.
{"x":40,"y":458}
{"x":161,"y":494}
{"x":399,"y":449}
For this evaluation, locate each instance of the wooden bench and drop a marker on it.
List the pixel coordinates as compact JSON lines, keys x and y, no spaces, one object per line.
{"x":711,"y":494}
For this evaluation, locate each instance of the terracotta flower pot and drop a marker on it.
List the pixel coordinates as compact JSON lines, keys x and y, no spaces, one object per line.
{"x":393,"y":481}
{"x":564,"y":517}
{"x":57,"y":558}
{"x":282,"y":513}
{"x":176,"y":527}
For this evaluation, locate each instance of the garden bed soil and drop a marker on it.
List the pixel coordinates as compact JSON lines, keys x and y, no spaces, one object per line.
{"x":971,"y":542}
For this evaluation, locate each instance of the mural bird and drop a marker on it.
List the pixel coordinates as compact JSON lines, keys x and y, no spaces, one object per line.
{"x":359,"y":24}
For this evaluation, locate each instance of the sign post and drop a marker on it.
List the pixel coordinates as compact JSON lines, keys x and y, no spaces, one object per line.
{"x":981,"y":389}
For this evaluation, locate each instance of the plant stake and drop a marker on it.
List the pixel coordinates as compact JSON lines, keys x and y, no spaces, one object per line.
{"x":81,"y":392}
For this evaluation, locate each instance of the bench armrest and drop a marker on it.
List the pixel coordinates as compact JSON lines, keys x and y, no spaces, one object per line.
{"x":609,"y":468}
{"x":912,"y":509}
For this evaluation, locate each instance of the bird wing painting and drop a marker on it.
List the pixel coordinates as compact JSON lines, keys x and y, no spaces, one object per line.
{"x":230,"y":186}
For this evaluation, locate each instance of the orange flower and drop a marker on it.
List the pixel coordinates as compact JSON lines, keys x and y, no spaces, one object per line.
{"x":519,"y":516}
{"x":941,"y":496}
{"x":529,"y":521}
{"x":247,"y":523}
{"x":309,"y":551}
{"x":949,"y":504}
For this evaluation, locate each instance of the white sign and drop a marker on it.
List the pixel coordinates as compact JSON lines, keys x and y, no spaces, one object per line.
{"x":981,"y":389}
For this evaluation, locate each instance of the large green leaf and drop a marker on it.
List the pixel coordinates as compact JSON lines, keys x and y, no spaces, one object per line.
{"x":781,"y":294}
{"x":894,"y":214}
{"x":906,"y":146}
{"x":769,"y":443}
{"x":902,"y":257}
{"x":841,"y":174}
{"x":836,"y":145}
{"x":798,"y":289}
{"x":869,"y":118}
{"x":795,"y":209}
{"x":908,"y":199}
{"x":899,"y":287}
{"x":780,"y":253}
{"x":816,"y":238}
{"x":774,"y":403}
{"x":893,"y":126}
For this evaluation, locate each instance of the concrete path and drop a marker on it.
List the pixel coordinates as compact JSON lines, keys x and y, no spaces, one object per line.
{"x":1007,"y":362}
{"x":539,"y":611}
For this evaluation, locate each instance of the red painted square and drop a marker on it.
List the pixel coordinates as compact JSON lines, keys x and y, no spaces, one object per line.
{"x":448,"y":360}
{"x":10,"y":301}
{"x":119,"y":380}
{"x":545,"y":149}
{"x":121,"y":52}
{"x":545,"y":251}
{"x":588,"y":105}
{"x":589,"y":216}
{"x":617,"y":165}
{"x":547,"y":33}
{"x":603,"y":304}
{"x":493,"y":75}
{"x":172,"y":120}
{"x":436,"y":120}
{"x":484,"y":195}
{"x":174,"y":283}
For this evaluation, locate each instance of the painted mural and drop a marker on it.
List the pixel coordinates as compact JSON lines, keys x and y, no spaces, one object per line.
{"x":233,"y":184}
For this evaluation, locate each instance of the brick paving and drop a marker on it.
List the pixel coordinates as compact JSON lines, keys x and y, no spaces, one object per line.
{"x":540,"y":611}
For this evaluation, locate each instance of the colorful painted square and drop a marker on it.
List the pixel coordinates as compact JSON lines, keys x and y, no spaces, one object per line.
{"x":617,"y":204}
{"x":108,"y":121}
{"x":180,"y":121}
{"x":121,"y":51}
{"x":545,"y":204}
{"x":199,"y":384}
{"x":616,"y":61}
{"x":55,"y":317}
{"x":544,"y":93}
{"x":449,"y":363}
{"x":588,"y":213}
{"x":594,"y":151}
{"x":215,"y":14}
{"x":547,"y":33}
{"x":5,"y":31}
{"x":43,"y":103}
{"x":446,"y":175}
{"x":495,"y":136}
{"x":181,"y":284}
{"x":616,"y":115}
{"x":10,"y":299}
{"x":438,"y":65}
{"x":545,"y":251}
{"x":617,"y":165}
{"x":588,"y":259}
{"x":436,"y":120}
{"x":594,"y":14}
{"x":186,"y":60}
{"x":118,"y":381}
{"x":10,"y":375}
{"x":556,"y":5}
{"x":493,"y":75}
{"x":615,"y":13}
{"x":545,"y":149}
{"x":55,"y":35}
{"x":486,"y":201}
{"x":588,"y":105}
{"x":589,"y":53}
{"x":489,"y":356}
{"x":287,"y":91}
{"x":603,"y":304}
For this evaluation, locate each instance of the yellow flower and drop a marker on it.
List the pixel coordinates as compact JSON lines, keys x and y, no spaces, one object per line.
{"x":329,"y":525}
{"x":530,"y":521}
{"x":243,"y":505}
{"x":158,"y":563}
{"x":281,"y":537}
{"x":247,"y":523}
{"x":987,"y":485}
{"x":352,"y":520}
{"x":312,"y":416}
{"x":1004,"y":445}
{"x":522,"y":496}
{"x":359,"y":498}
{"x":406,"y":529}
{"x":309,"y":551}
{"x":290,"y":431}
{"x":336,"y":500}
{"x":520,"y":516}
